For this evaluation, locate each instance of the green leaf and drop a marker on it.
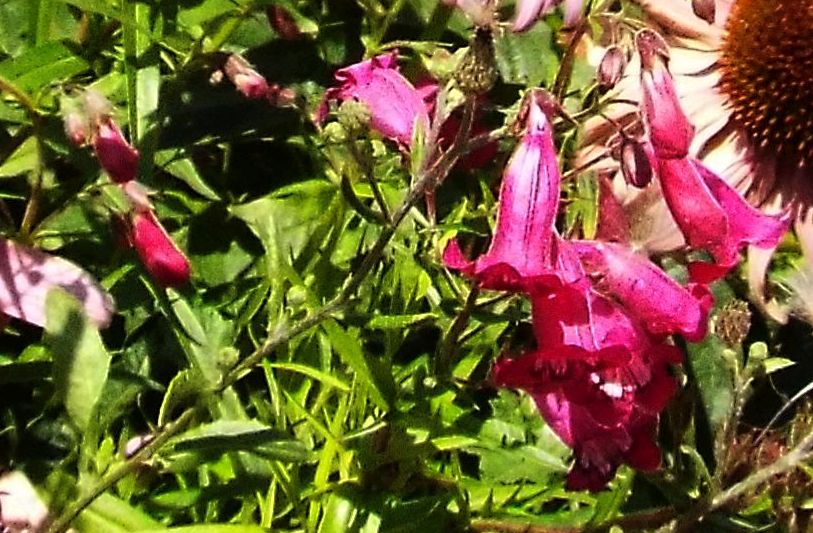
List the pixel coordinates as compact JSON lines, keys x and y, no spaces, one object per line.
{"x":22,"y":160}
{"x":714,"y":376}
{"x":250,"y":435}
{"x":42,"y":65}
{"x":208,"y":528}
{"x":527,"y":58}
{"x":379,"y":384}
{"x":81,"y":361}
{"x":311,"y":372}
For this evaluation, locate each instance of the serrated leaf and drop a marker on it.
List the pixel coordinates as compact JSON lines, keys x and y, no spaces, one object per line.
{"x":81,"y":361}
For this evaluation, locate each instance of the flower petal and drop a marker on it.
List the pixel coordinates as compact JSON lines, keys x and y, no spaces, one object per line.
{"x":528,"y":11}
{"x":395,"y":105}
{"x":522,"y":245}
{"x":644,"y":290}
{"x":26,"y":276}
{"x":160,"y":255}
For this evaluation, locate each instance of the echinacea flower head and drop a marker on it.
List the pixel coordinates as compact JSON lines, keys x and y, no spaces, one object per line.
{"x":522,"y":248}
{"x":28,"y":274}
{"x":161,"y":257}
{"x":394,"y":104}
{"x":742,"y":74}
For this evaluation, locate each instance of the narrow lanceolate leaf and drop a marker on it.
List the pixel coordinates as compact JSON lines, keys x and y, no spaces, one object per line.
{"x":81,"y":361}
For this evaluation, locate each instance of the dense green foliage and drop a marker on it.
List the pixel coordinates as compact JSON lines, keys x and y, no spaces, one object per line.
{"x":322,"y":371}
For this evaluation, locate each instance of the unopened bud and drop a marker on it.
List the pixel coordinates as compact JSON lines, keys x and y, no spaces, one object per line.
{"x":354,"y":117}
{"x":636,"y":164}
{"x":134,"y":445}
{"x":117,"y":157}
{"x":477,"y":72}
{"x":160,"y":255}
{"x":247,"y":80}
{"x":733,"y":323}
{"x":704,"y":9}
{"x":279,"y":96}
{"x":611,"y":68}
{"x":283,"y":23}
{"x":76,"y":128}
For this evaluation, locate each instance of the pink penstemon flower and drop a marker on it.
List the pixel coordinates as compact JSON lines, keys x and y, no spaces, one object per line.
{"x":598,"y":377}
{"x":709,"y":212}
{"x":394,"y":104}
{"x":601,"y":316}
{"x":522,"y":247}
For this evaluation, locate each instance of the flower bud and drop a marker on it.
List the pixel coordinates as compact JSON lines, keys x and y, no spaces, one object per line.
{"x":283,"y":23}
{"x":117,"y":157}
{"x":247,"y":80}
{"x":160,"y":255}
{"x":636,"y":165}
{"x":477,"y":72}
{"x":279,"y":96}
{"x":76,"y":128}
{"x":705,"y":9}
{"x":733,"y":323}
{"x":354,"y":117}
{"x":611,"y":68}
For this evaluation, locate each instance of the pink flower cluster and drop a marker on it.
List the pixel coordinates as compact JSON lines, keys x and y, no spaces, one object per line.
{"x":602,"y":314}
{"x":93,"y":123}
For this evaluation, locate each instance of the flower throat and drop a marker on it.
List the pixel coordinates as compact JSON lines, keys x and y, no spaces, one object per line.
{"x":767,"y":75}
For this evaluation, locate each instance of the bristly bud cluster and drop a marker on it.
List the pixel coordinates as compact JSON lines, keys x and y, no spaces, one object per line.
{"x":733,"y":323}
{"x":477,"y":72}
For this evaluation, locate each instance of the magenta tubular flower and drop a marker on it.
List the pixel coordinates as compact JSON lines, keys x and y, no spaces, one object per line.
{"x":659,"y":302}
{"x":522,"y":249}
{"x":160,"y":255}
{"x":709,"y":212}
{"x":26,"y":276}
{"x":116,"y":156}
{"x":395,"y":105}
{"x":598,"y":379}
